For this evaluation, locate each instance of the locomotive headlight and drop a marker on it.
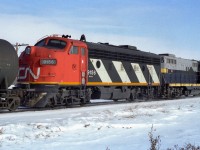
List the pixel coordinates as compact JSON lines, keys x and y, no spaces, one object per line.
{"x":48,"y":61}
{"x":28,"y":50}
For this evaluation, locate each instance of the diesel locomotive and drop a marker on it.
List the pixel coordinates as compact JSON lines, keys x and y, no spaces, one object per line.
{"x":59,"y":70}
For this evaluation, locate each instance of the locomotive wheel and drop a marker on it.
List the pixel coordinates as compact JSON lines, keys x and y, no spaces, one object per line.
{"x":51,"y":103}
{"x":82,"y":102}
{"x":131,"y":98}
{"x":13,"y":103}
{"x":87,"y":98}
{"x":69,"y":101}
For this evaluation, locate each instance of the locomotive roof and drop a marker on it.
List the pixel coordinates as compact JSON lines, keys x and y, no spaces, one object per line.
{"x":121,"y":53}
{"x":127,"y":49}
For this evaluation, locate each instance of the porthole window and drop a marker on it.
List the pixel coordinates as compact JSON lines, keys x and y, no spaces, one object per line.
{"x":98,"y":64}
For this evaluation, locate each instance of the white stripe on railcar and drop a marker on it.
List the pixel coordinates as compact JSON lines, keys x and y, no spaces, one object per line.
{"x":121,"y":71}
{"x":138,"y":72}
{"x":103,"y":74}
{"x":153,"y":73}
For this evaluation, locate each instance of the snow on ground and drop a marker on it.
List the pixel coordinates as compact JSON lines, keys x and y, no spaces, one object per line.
{"x":115,"y":127}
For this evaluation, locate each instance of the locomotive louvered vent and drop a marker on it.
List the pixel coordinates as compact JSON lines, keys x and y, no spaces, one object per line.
{"x":129,"y":47}
{"x":118,"y":53}
{"x":170,"y":55}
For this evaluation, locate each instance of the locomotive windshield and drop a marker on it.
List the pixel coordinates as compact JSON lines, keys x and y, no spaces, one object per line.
{"x":52,"y":43}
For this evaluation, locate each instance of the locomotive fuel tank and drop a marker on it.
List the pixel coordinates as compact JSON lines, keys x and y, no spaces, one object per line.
{"x":8,"y":64}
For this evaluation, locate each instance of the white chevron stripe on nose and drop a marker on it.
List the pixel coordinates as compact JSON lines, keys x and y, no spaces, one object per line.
{"x":138,"y":72}
{"x":121,"y":71}
{"x":103,"y":74}
{"x":153,"y":73}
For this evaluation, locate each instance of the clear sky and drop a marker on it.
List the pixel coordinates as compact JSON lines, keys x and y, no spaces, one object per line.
{"x":158,"y":26}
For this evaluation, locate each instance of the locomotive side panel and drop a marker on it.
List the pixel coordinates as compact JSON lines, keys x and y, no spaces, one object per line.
{"x":117,"y":72}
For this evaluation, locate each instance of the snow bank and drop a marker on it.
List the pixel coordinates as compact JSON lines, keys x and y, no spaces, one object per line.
{"x":115,"y":127}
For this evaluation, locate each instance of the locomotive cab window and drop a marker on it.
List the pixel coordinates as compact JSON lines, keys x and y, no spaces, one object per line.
{"x":52,"y":44}
{"x":57,"y":44}
{"x":40,"y":43}
{"x":73,"y":50}
{"x":83,"y":51}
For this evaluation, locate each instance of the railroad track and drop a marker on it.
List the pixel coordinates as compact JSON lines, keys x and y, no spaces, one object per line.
{"x":93,"y":103}
{"x":26,"y":109}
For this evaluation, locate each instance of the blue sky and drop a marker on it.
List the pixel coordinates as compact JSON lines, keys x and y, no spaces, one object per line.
{"x":158,"y":26}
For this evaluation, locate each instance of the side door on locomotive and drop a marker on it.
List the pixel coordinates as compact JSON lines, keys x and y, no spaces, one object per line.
{"x":77,"y":63}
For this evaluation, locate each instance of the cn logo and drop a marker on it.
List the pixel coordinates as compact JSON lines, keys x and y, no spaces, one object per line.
{"x":26,"y":71}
